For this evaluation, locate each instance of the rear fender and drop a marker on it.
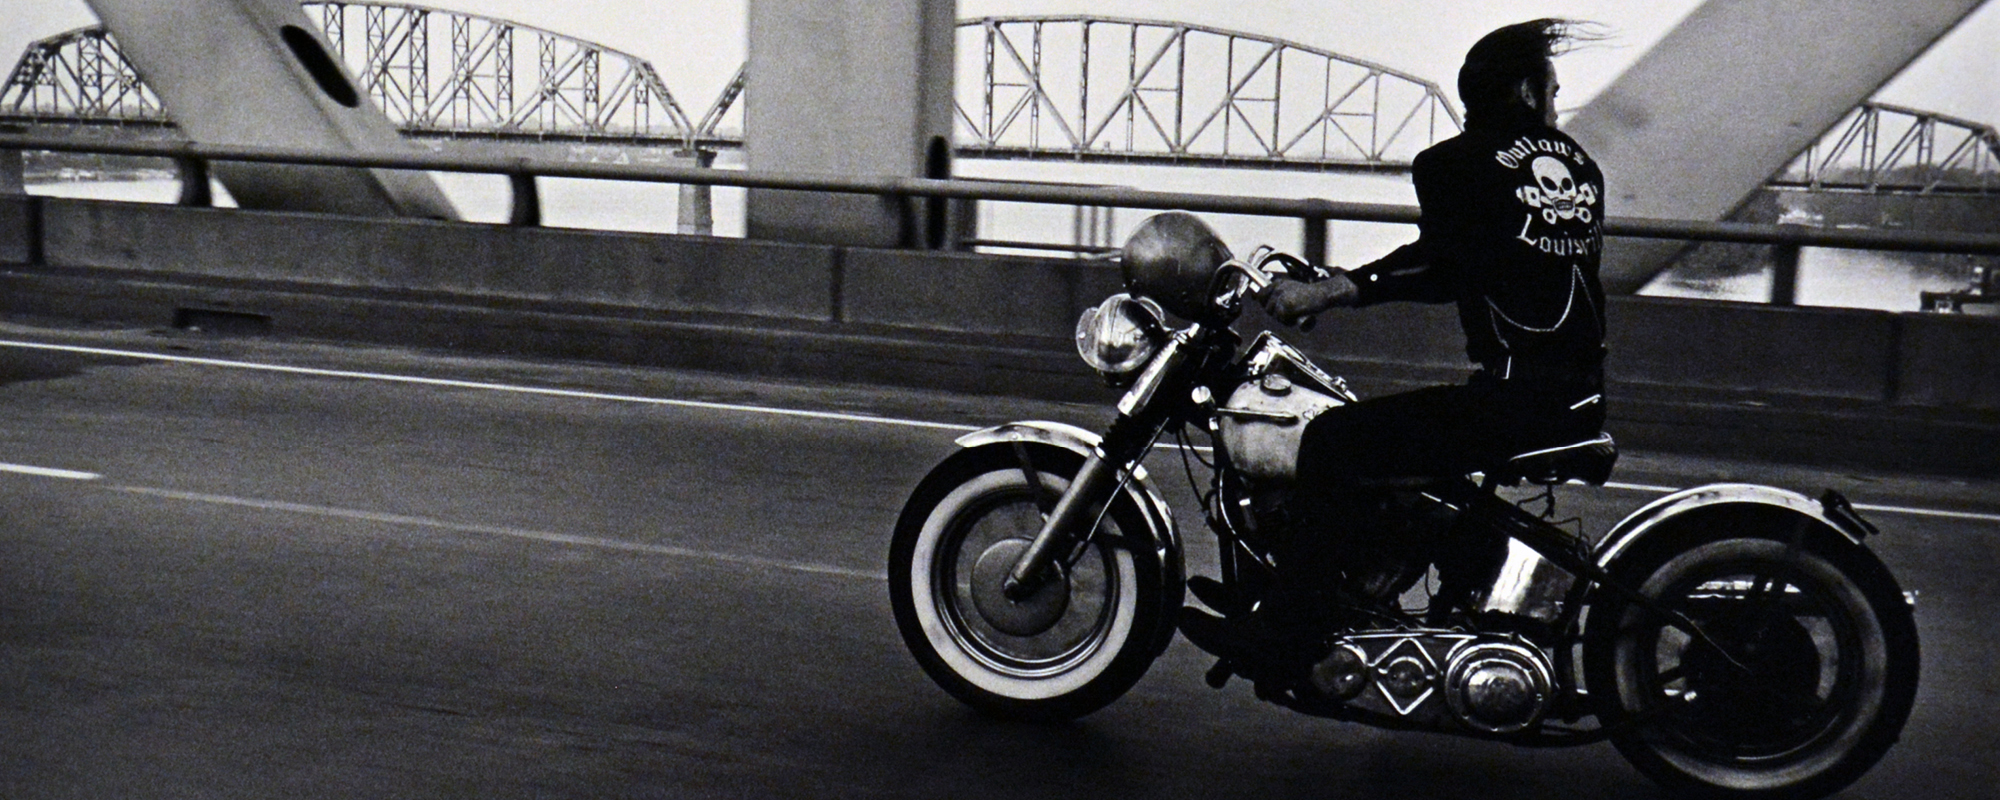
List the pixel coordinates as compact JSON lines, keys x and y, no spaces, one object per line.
{"x":1831,"y":511}
{"x":1717,"y":503}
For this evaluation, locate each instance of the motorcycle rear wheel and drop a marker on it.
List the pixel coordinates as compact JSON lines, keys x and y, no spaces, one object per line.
{"x":1820,"y":677}
{"x":1071,"y":649}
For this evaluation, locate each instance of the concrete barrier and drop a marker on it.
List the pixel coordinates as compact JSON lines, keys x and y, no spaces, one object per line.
{"x":18,"y":237}
{"x":1665,"y":343}
{"x":662,"y":273}
{"x":1011,"y":296}
{"x":1950,"y":362}
{"x":1820,"y":352}
{"x":1906,"y":391}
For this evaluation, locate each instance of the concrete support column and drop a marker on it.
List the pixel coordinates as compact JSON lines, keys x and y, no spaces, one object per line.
{"x":855,"y":88}
{"x":1698,"y":124}
{"x":259,"y":73}
{"x":697,"y":205}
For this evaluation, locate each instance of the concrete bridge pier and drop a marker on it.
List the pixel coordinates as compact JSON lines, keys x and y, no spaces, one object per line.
{"x":855,"y":88}
{"x":696,"y":209}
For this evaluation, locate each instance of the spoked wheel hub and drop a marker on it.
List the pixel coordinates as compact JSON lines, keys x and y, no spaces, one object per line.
{"x":1036,"y":613}
{"x":1082,"y":633}
{"x":1766,"y":692}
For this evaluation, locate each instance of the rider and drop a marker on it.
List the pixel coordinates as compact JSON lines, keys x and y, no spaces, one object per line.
{"x":1511,"y":232}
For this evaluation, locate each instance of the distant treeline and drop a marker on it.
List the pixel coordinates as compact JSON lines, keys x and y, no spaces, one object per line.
{"x":1958,"y":177}
{"x":42,"y":166}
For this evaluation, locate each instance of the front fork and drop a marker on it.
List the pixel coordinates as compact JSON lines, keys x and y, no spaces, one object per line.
{"x":1074,"y":519}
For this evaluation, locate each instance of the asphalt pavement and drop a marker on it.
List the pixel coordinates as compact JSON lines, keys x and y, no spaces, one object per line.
{"x":252,"y":568}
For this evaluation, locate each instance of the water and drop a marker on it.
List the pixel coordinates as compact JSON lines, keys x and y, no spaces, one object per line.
{"x":1837,"y":278}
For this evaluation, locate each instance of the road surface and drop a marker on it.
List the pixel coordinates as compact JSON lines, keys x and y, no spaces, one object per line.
{"x":248,"y":568}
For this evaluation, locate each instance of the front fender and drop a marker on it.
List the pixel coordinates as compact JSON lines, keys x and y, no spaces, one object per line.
{"x":1060,"y":434}
{"x":1658,"y":513}
{"x":1159,"y":517}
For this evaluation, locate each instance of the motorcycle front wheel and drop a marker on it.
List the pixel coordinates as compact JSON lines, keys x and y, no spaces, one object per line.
{"x":1814,"y":678}
{"x":1074,"y":646}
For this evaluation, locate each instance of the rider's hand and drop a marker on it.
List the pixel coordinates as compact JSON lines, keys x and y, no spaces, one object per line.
{"x":1288,"y":300}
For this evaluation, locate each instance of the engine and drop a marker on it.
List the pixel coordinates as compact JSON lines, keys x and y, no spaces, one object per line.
{"x":1440,"y":679}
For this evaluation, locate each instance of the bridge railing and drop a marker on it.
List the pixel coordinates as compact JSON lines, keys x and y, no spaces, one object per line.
{"x":1313,"y":214}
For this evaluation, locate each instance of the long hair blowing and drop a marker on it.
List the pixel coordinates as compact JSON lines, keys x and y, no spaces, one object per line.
{"x":1500,"y":60}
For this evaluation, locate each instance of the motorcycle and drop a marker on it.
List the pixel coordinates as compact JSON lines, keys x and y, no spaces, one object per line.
{"x":1729,"y":639}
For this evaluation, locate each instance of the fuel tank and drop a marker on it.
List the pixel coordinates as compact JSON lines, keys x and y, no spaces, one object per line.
{"x":1264,"y":420}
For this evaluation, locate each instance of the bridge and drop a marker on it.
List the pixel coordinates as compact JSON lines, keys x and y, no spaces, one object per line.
{"x":1889,"y":148}
{"x":1072,"y":87}
{"x":563,"y":88}
{"x":1076,"y":88}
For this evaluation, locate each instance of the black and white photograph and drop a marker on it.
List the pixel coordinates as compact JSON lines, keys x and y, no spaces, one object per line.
{"x":999,"y":399}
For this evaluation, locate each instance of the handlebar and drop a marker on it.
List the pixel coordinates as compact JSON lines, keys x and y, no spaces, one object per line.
{"x":1259,"y":274}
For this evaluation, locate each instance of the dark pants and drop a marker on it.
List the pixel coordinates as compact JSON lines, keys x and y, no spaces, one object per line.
{"x":1444,"y":431}
{"x":1437,"y":431}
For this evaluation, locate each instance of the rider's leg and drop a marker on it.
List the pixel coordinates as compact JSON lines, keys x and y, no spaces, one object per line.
{"x":1348,"y":452}
{"x":1335,"y":535}
{"x":1332,"y":515}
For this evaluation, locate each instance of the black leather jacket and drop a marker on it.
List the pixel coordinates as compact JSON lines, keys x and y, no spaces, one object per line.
{"x":1512,"y":231}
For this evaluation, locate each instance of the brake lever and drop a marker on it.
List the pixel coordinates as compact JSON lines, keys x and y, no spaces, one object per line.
{"x":1257,"y":281}
{"x":1265,"y":253}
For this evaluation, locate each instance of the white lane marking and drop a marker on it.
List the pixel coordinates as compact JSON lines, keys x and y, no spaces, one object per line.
{"x":489,"y":386}
{"x":1909,"y":510}
{"x":1641,"y":487}
{"x":713,"y":406}
{"x":500,"y":530}
{"x":1930,"y":512}
{"x":48,"y":472}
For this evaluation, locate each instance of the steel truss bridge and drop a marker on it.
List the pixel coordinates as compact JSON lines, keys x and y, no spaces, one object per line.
{"x":1074,"y":88}
{"x":1136,"y":90}
{"x":1887,"y":148}
{"x":1071,"y":88}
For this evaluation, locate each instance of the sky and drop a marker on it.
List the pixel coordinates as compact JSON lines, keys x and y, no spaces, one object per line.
{"x":698,"y":44}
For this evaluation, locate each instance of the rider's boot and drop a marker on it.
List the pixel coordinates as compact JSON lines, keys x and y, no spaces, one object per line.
{"x":1289,"y":626}
{"x":1225,"y":599}
{"x":1286,"y":628}
{"x":1281,"y":632}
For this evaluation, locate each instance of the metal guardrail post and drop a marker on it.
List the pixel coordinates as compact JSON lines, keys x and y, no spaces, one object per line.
{"x":1784,"y":274}
{"x":195,"y":192}
{"x":1092,"y":229}
{"x":527,"y":207}
{"x":12,"y":180}
{"x":1315,"y":241}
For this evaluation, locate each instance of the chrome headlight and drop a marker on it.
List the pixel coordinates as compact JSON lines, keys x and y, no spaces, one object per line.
{"x":1120,"y":335}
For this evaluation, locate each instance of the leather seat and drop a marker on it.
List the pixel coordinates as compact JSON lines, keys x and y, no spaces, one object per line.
{"x":1588,"y":462}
